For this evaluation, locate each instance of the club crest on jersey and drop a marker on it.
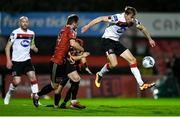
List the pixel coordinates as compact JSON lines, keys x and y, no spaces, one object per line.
{"x":25,"y":43}
{"x":122,"y":29}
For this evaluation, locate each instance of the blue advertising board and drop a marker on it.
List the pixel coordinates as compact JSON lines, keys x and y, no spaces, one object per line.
{"x":49,"y":23}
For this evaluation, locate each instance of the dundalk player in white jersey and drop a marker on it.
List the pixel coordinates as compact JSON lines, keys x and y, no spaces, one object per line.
{"x":119,"y":23}
{"x":21,"y":40}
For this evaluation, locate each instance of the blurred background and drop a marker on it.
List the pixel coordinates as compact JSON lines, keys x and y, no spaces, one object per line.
{"x":161,"y":17}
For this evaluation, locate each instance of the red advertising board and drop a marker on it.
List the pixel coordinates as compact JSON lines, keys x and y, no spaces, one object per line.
{"x":112,"y":86}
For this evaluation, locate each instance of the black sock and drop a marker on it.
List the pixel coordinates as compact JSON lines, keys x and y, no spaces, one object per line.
{"x":45,"y":90}
{"x":74,"y":90}
{"x":68,"y":96}
{"x":57,"y":98}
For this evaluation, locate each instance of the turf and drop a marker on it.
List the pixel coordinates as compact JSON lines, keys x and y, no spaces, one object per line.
{"x":96,"y":107}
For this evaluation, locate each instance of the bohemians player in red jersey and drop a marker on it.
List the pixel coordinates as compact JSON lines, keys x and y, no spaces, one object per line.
{"x":66,"y":38}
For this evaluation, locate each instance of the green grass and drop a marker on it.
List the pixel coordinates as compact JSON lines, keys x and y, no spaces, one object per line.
{"x":96,"y":107}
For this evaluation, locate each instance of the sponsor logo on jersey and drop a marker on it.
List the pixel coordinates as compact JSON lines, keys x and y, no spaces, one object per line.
{"x":122,"y":29}
{"x":25,"y":43}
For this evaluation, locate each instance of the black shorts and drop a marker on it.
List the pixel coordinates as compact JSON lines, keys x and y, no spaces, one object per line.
{"x":110,"y":46}
{"x":64,"y":81}
{"x":20,"y":68}
{"x":59,"y":72}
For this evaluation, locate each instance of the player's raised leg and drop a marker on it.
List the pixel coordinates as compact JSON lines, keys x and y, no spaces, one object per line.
{"x":106,"y":68}
{"x":135,"y":71}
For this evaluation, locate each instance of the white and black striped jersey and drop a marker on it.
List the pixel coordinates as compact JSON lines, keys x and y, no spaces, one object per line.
{"x":21,"y":44}
{"x":117,"y":26}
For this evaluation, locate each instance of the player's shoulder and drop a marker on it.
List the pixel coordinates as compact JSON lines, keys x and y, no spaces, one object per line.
{"x":119,"y":17}
{"x":30,"y":31}
{"x":118,"y":14}
{"x":16,"y":31}
{"x":68,"y":28}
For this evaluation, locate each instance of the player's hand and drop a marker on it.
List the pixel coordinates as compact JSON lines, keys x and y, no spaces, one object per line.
{"x":84,"y":28}
{"x":9,"y":64}
{"x":152,"y":43}
{"x":35,"y":49}
{"x":85,"y":54}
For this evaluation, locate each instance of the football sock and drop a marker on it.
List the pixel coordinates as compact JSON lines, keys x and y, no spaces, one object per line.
{"x":74,"y":90}
{"x":45,"y":90}
{"x":12,"y":87}
{"x":73,"y":101}
{"x":68,"y":95}
{"x":135,"y":71}
{"x":34,"y":86}
{"x":104,"y":69}
{"x":57,"y":98}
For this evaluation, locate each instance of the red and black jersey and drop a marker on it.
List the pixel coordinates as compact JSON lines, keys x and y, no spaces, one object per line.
{"x":63,"y":44}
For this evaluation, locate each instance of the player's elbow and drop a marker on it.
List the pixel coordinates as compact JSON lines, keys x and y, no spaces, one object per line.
{"x":103,"y":18}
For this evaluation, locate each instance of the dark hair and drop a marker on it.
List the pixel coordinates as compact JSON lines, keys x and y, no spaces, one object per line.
{"x":72,"y":18}
{"x":80,"y":41}
{"x":130,"y":10}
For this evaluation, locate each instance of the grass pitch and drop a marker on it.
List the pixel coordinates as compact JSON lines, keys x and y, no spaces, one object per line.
{"x":96,"y":107}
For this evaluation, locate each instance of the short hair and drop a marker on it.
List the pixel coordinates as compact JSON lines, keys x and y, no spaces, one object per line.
{"x":80,"y":41}
{"x":72,"y":18}
{"x":130,"y":10}
{"x":23,"y":17}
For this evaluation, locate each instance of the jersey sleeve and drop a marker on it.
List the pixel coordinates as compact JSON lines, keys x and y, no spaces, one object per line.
{"x":113,"y":18}
{"x":33,"y":39}
{"x":13,"y":36}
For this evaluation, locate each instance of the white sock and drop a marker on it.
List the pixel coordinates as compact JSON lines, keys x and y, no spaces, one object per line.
{"x":11,"y":88}
{"x":137,"y":75}
{"x":103,"y":70}
{"x":73,"y":101}
{"x":34,"y":88}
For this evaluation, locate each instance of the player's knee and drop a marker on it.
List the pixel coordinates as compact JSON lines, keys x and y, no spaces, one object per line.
{"x":58,"y":89}
{"x":16,"y":81}
{"x":54,"y":85}
{"x":113,"y":65}
{"x":132,"y":60}
{"x":32,"y":77}
{"x":76,"y":79}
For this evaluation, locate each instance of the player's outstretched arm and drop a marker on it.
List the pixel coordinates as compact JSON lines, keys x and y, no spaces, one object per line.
{"x":93,"y":22}
{"x":8,"y":55}
{"x":143,"y":29}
